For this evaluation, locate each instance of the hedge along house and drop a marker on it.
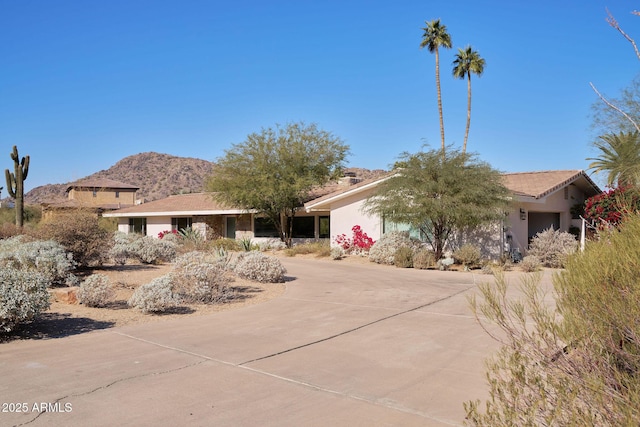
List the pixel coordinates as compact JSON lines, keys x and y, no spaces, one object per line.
{"x":200,"y":211}
{"x":540,"y":200}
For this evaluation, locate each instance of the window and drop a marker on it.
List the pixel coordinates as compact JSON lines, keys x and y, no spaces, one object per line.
{"x":303,"y":227}
{"x":263,"y":227}
{"x":117,"y":194}
{"x":180,"y":223}
{"x":95,"y":193}
{"x":388,"y":225}
{"x":138,"y":225}
{"x":324,"y":226}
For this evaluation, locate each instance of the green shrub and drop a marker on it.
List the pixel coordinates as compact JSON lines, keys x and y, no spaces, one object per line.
{"x":96,"y":291}
{"x":552,"y":247}
{"x":156,"y":296}
{"x":403,"y":257}
{"x":259,"y":267}
{"x":80,"y":233}
{"x":23,"y":295}
{"x":423,"y":259}
{"x":577,"y":364}
{"x":467,"y":255}
{"x":383,"y":251}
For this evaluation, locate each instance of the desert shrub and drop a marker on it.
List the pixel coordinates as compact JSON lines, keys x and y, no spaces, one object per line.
{"x":156,"y":296}
{"x":259,"y":267}
{"x":530,"y":263}
{"x":23,"y":295}
{"x":149,"y":250}
{"x":320,"y":249}
{"x":423,"y":259}
{"x":201,"y":277}
{"x":80,"y":233}
{"x":467,"y":255}
{"x":577,"y":364}
{"x":552,"y":247}
{"x":9,"y":229}
{"x":48,"y":258}
{"x":96,"y":291}
{"x":122,"y":248}
{"x":226,"y":244}
{"x":190,"y":239}
{"x":337,"y":252}
{"x":272,"y":245}
{"x":383,"y":251}
{"x":403,"y":257}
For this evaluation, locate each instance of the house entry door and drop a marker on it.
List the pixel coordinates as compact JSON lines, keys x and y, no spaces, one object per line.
{"x":230,"y":231}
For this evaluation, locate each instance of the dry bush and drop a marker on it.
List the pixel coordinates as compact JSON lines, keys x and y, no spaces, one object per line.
{"x":320,"y":249}
{"x":423,"y":259}
{"x":468,"y":255}
{"x":577,"y":364}
{"x":80,"y":233}
{"x":403,"y":257}
{"x":552,"y":247}
{"x":530,"y":263}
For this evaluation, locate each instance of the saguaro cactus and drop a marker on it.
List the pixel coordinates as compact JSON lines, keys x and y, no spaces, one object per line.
{"x":15,"y":183}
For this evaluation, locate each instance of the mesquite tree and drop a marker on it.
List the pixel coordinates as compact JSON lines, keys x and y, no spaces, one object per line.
{"x":15,"y":183}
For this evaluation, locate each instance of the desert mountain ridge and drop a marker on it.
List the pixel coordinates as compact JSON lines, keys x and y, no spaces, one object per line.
{"x":157,"y":175}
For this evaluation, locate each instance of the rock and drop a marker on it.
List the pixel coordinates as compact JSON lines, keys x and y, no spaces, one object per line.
{"x":66,"y":295}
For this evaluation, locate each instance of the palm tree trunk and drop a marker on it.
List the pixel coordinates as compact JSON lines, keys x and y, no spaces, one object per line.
{"x":466,"y":132}
{"x":439,"y":100}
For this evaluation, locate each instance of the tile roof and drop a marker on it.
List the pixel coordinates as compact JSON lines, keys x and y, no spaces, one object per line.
{"x":527,"y":184}
{"x":542,"y":183}
{"x":193,"y":203}
{"x":101,"y":183}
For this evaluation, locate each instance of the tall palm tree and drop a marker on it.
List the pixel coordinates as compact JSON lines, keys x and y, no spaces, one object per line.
{"x":467,"y":61}
{"x":436,"y":36}
{"x":619,"y":157}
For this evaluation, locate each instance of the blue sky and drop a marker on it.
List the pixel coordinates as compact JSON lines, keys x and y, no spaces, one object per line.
{"x":85,"y":83}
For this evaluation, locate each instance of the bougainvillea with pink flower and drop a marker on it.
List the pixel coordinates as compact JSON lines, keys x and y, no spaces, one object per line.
{"x":165,"y":232}
{"x":359,"y":241}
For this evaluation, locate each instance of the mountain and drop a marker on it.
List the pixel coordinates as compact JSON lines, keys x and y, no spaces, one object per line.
{"x":158,"y":176}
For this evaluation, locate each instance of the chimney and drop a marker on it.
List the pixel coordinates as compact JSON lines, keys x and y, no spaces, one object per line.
{"x":348,"y":179}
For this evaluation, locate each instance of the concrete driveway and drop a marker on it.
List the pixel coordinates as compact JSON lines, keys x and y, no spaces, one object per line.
{"x":346,"y":345}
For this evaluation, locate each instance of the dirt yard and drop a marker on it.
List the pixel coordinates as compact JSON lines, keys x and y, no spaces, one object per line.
{"x":67,"y":317}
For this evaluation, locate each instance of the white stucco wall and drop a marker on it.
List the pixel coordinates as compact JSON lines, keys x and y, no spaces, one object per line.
{"x":347,"y":212}
{"x":554,"y":203}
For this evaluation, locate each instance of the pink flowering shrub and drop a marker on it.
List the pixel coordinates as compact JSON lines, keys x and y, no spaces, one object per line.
{"x":165,"y":232}
{"x":359,"y":242}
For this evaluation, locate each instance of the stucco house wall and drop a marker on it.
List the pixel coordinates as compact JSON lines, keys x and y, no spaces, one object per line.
{"x":347,"y":212}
